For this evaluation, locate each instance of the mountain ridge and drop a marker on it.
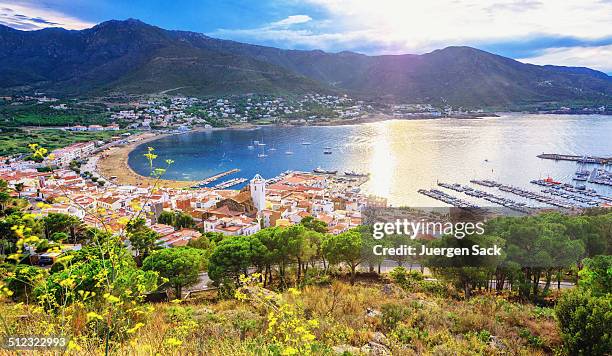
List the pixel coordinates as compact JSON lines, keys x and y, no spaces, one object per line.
{"x":134,"y":57}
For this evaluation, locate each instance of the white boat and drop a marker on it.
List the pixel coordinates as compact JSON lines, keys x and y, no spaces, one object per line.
{"x":355,"y":174}
{"x":324,"y":171}
{"x":288,"y":152}
{"x":306,"y":143}
{"x":250,"y":147}
{"x":263,"y":152}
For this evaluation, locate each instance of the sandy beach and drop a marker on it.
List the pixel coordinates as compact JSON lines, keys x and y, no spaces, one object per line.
{"x":114,"y":162}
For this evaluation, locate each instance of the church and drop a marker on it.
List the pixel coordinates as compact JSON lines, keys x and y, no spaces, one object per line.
{"x":250,"y":201}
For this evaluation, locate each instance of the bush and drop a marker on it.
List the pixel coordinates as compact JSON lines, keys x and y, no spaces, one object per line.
{"x":408,"y":335}
{"x":585,"y":322}
{"x":393,"y":314}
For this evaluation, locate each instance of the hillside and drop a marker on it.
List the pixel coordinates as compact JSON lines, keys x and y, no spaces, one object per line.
{"x":131,"y":56}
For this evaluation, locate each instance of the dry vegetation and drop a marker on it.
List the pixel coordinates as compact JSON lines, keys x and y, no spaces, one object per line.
{"x":382,"y":315}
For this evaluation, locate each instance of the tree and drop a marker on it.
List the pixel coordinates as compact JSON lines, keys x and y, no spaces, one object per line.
{"x":141,"y":237}
{"x":5,"y":196}
{"x":182,"y":220}
{"x":300,"y":246}
{"x":314,"y":224}
{"x":176,"y":219}
{"x":166,"y":217}
{"x":466,"y":272}
{"x":202,"y":242}
{"x":19,"y":188}
{"x":597,"y":274}
{"x":57,"y":222}
{"x":345,"y":248}
{"x":181,"y":266}
{"x":270,"y":239}
{"x":585,"y":322}
{"x":23,"y":280}
{"x":233,"y":256}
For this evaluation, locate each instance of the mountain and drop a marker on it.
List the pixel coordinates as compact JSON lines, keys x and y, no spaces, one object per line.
{"x":131,"y":56}
{"x":134,"y":57}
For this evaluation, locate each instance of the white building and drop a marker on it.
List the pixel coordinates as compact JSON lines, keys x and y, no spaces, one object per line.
{"x":258,"y":192}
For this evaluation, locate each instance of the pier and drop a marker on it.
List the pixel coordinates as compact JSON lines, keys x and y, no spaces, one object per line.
{"x":230,"y":183}
{"x":574,"y":158}
{"x":600,"y":176}
{"x":447,"y":198}
{"x":211,"y":179}
{"x":495,"y":199}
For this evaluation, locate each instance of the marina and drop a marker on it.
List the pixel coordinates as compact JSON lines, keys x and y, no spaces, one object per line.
{"x":505,"y":202}
{"x":446,"y":198}
{"x":600,"y":176}
{"x":211,"y":179}
{"x":575,"y":158}
{"x":578,"y":199}
{"x":230,"y":183}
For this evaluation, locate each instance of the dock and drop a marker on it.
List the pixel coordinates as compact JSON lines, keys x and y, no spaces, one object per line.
{"x":211,"y":179}
{"x":600,"y":176}
{"x":495,"y":199}
{"x":230,"y":183}
{"x":574,"y":158}
{"x":447,"y":198}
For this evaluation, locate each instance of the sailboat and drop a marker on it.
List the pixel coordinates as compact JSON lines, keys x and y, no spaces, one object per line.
{"x":263,"y":152}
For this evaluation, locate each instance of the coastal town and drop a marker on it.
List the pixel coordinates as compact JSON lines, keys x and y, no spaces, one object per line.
{"x":93,"y":181}
{"x":106,"y":203}
{"x":306,"y":178}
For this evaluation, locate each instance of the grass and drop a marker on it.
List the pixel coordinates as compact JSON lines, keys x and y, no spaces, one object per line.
{"x":422,"y":324}
{"x":16,"y":141}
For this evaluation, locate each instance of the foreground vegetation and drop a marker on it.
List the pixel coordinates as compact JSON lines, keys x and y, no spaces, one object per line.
{"x":381,"y":316}
{"x":298,"y":290}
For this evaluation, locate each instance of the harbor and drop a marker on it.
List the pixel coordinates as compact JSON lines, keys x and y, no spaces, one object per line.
{"x":211,"y":179}
{"x":555,"y":194}
{"x":447,"y":198}
{"x":495,"y":199}
{"x":230,"y":183}
{"x":363,"y":149}
{"x":576,"y":158}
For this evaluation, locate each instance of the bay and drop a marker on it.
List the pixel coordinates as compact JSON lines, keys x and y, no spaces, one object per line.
{"x":401,"y":156}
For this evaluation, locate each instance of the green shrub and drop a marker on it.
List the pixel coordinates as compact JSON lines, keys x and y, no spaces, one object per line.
{"x":393,"y":314}
{"x":532,"y":340}
{"x":408,"y":335}
{"x":585,"y":322}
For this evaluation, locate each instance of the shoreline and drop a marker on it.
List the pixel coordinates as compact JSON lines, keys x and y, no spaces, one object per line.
{"x":113,"y":162}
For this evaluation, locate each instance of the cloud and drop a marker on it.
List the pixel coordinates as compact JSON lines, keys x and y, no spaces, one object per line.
{"x":593,"y":57}
{"x":291,"y":20}
{"x":399,"y":26}
{"x":26,"y":15}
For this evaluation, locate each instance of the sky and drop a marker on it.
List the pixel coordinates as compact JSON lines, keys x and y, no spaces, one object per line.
{"x":559,"y":32}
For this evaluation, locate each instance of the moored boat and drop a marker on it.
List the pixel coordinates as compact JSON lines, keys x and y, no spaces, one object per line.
{"x":324,"y":171}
